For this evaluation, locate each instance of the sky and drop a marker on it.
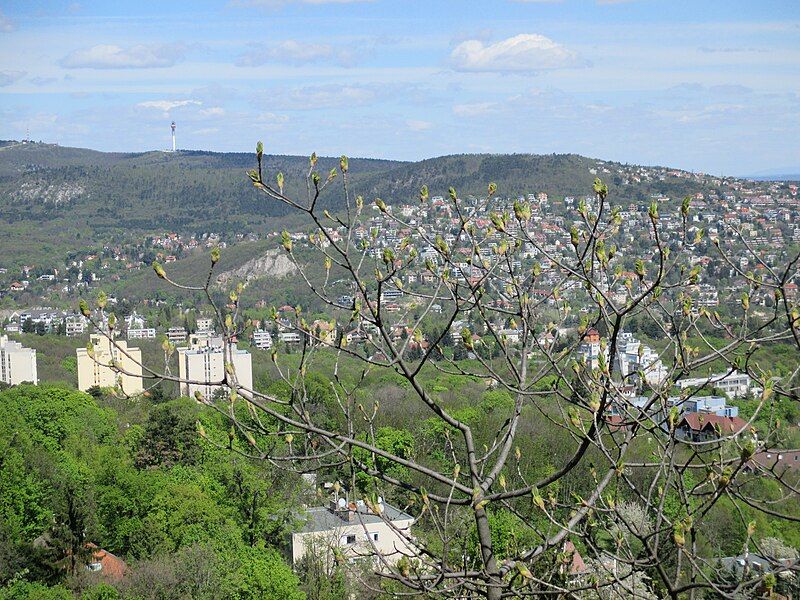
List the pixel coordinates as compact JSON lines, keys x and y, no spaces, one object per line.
{"x":705,"y":85}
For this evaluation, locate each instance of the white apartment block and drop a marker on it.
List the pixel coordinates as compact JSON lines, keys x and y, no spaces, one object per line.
{"x":201,"y":365}
{"x":176,"y":334}
{"x":733,"y":385}
{"x":112,"y":365}
{"x":75,"y":325}
{"x":289,"y":337}
{"x":205,"y":324}
{"x":633,"y":357}
{"x":17,"y":363}
{"x":262,"y":339}
{"x":142,"y":333}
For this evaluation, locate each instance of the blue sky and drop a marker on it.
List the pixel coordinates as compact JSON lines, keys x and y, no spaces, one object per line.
{"x":706,"y":85}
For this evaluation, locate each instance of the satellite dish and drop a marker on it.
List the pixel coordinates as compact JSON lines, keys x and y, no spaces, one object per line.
{"x":342,"y":503}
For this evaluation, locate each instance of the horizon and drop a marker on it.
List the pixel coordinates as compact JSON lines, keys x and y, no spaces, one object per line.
{"x":712,"y":88}
{"x":787,"y":174}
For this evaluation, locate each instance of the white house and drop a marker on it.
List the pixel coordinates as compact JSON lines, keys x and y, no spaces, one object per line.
{"x":355,"y":530}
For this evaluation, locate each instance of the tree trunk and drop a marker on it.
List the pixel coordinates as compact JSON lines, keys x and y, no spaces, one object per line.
{"x":493,"y":592}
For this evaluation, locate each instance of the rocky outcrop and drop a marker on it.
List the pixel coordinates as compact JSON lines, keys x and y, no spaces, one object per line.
{"x":272,"y":263}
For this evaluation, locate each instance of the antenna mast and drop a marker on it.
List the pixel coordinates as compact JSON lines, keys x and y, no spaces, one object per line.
{"x":173,"y":136}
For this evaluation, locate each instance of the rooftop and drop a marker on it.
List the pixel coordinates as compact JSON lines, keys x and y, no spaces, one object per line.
{"x":322,"y":518}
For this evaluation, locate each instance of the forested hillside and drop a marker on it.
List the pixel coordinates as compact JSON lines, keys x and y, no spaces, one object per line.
{"x":54,"y":198}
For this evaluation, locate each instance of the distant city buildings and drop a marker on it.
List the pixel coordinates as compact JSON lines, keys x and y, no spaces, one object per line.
{"x":99,"y":371}
{"x":17,"y":363}
{"x":634,"y":358}
{"x":201,"y":365}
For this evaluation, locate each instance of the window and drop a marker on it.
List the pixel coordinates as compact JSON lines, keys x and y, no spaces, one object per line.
{"x":373,"y":535}
{"x":349,"y":539}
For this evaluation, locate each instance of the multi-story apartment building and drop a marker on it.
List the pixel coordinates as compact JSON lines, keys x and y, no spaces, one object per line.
{"x":142,"y":333}
{"x":201,"y":365}
{"x":205,"y":324}
{"x":733,"y":384}
{"x":176,"y":334}
{"x":112,"y":365}
{"x":17,"y":363}
{"x":262,"y":339}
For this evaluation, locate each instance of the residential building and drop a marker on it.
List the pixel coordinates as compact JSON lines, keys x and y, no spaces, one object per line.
{"x":355,"y":530}
{"x":205,"y":324}
{"x":700,"y":427}
{"x":634,"y":357}
{"x":176,"y":335}
{"x":733,"y":384}
{"x":715,"y":405}
{"x":289,"y":337}
{"x":201,"y":365}
{"x":112,"y":365}
{"x":776,"y":461}
{"x":262,"y":339}
{"x":143,"y":333}
{"x":75,"y":325}
{"x":590,"y":349}
{"x":17,"y":363}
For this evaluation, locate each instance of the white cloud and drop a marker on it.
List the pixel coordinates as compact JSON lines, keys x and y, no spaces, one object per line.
{"x":416,"y":125}
{"x":526,"y":52}
{"x":297,"y":53}
{"x":324,"y":96}
{"x":214,"y":111}
{"x":110,"y":56}
{"x":6,"y":24}
{"x":168,"y":105}
{"x":474,"y":109}
{"x":9,"y":77}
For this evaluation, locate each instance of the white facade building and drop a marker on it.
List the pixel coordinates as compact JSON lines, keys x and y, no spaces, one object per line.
{"x":262,"y":339}
{"x":176,"y":334}
{"x":201,"y":365}
{"x":75,"y":325}
{"x":99,"y":370}
{"x":205,"y":324}
{"x":17,"y":363}
{"x":733,"y":385}
{"x":633,"y":356}
{"x":142,"y":333}
{"x":355,"y":530}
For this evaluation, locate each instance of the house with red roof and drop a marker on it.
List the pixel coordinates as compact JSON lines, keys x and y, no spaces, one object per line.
{"x":701,"y":427}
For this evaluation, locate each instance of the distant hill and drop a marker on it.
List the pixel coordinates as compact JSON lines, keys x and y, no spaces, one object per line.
{"x":54,"y":198}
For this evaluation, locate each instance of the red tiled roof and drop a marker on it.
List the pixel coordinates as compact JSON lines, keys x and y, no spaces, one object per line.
{"x":577,"y":565}
{"x":703,"y":421}
{"x":778,"y":459}
{"x":113,"y":567}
